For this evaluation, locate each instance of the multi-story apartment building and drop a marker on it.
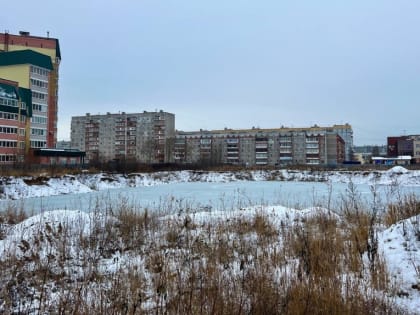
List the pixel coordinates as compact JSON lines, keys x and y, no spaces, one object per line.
{"x":43,"y":81}
{"x":404,"y":146}
{"x":146,"y":137}
{"x":15,"y":110}
{"x":31,"y":70}
{"x":282,"y":146}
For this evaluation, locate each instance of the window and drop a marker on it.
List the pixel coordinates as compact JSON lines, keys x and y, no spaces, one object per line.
{"x":39,"y":120}
{"x":39,"y":95}
{"x":38,"y":132}
{"x":39,"y":107}
{"x":38,"y":144}
{"x":8,"y":144}
{"x":311,"y":139}
{"x":7,"y":158}
{"x":8,"y":102}
{"x":39,"y":71}
{"x":10,"y":116}
{"x":39,"y":83}
{"x":5,"y":129}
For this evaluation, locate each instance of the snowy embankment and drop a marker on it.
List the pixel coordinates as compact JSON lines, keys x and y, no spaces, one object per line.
{"x":81,"y":258}
{"x":400,"y":245}
{"x":26,"y":187}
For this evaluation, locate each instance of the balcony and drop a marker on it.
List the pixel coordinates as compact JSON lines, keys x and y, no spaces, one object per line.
{"x":261,"y":162}
{"x":312,"y":161}
{"x":234,"y":153}
{"x":285,"y":158}
{"x":312,"y":151}
{"x":285,"y":150}
{"x":285,"y":140}
{"x":261,"y":146}
{"x":231,"y":141}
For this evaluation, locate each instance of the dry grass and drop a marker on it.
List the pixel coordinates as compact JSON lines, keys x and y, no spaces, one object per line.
{"x":406,"y":207}
{"x":243,"y":265}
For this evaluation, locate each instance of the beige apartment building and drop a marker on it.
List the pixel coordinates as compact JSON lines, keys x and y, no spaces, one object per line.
{"x":150,"y":137}
{"x":143,"y":137}
{"x":34,"y":62}
{"x":272,"y":147}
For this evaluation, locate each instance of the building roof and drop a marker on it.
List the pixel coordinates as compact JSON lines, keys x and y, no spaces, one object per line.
{"x":392,"y":158}
{"x":8,"y":91}
{"x":27,"y":56}
{"x":257,"y":130}
{"x":41,"y":41}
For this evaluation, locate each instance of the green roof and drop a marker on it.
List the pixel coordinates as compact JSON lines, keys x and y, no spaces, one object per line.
{"x":20,"y":57}
{"x":8,"y":91}
{"x":26,"y":96}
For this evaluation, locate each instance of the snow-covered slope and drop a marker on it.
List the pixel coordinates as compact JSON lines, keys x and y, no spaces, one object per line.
{"x":400,"y":245}
{"x":57,"y":240}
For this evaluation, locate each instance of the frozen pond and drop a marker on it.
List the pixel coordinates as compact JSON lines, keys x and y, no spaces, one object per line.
{"x":204,"y":195}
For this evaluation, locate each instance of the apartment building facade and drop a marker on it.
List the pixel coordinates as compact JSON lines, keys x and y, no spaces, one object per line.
{"x":143,"y":137}
{"x":15,"y":105}
{"x":271,"y":147}
{"x":404,"y":146}
{"x":31,"y":70}
{"x":42,"y":81}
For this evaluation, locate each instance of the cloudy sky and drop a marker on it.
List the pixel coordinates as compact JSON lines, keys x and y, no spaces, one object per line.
{"x":235,"y":63}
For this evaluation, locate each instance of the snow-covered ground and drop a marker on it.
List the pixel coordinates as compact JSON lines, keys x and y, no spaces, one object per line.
{"x":55,"y":238}
{"x":41,"y":236}
{"x":17,"y":188}
{"x":400,"y":245}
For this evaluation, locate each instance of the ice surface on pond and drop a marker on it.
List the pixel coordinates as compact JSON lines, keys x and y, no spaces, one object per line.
{"x":216,"y":190}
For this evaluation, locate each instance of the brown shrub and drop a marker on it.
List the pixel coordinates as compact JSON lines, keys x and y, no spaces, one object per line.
{"x":406,"y":208}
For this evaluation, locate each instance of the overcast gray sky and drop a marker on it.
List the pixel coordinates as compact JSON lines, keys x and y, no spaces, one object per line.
{"x":236,"y":64}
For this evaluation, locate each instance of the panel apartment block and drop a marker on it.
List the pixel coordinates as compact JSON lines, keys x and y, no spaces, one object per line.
{"x":146,"y":137}
{"x":282,"y":146}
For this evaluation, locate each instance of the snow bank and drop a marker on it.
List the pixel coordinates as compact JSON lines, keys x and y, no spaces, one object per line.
{"x":397,"y":170}
{"x":40,"y":236}
{"x":400,"y":245}
{"x":42,"y":233}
